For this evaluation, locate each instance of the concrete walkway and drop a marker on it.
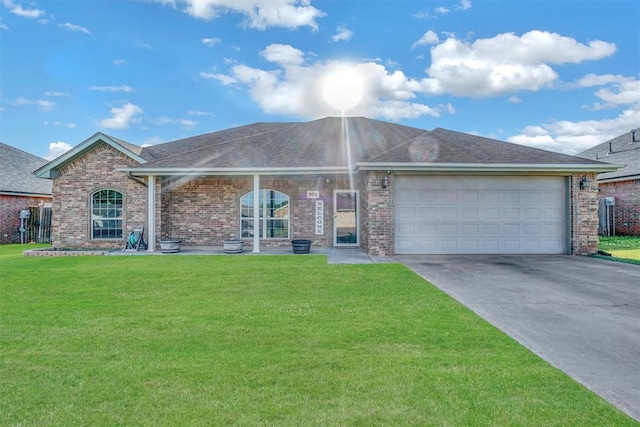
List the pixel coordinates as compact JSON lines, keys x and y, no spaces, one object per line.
{"x":580,"y":314}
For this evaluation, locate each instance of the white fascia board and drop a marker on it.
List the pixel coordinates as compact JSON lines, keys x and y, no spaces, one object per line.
{"x":142,"y":171}
{"x":22,"y":194}
{"x":495,"y":167}
{"x":49,"y":170}
{"x":618,"y":179}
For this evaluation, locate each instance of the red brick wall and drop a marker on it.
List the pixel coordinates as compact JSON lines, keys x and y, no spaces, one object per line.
{"x":10,"y":207}
{"x":206,"y":211}
{"x":72,"y":191}
{"x":627,"y":208}
{"x":377,"y":215}
{"x":584,"y":215}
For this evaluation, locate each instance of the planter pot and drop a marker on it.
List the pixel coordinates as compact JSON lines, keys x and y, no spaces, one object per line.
{"x":301,"y":246}
{"x":232,"y":246}
{"x":170,"y":245}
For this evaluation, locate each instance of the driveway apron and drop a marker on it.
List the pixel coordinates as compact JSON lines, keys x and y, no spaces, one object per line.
{"x":580,"y":314}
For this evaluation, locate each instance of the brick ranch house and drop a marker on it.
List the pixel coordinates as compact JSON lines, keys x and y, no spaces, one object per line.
{"x":622,"y":185}
{"x":353,"y":182}
{"x":19,"y":190}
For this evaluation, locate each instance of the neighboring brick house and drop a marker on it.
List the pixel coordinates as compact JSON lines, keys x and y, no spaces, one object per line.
{"x":623,"y":185}
{"x":387,"y":188}
{"x":19,"y":189}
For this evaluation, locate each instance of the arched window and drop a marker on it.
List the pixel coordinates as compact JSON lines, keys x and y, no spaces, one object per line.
{"x":106,"y":214}
{"x":274,"y":215}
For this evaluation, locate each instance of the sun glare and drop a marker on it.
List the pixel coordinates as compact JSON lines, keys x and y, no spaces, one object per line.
{"x":343,"y":88}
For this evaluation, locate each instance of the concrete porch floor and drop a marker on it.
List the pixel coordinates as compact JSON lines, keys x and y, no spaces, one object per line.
{"x":334,"y":255}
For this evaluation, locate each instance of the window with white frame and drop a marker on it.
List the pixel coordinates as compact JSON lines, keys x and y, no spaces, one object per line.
{"x":274,"y":215}
{"x":106,"y":214}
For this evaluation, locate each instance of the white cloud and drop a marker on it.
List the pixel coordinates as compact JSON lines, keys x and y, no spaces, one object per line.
{"x":430,"y":37}
{"x":142,"y":44}
{"x":591,"y":80}
{"x":573,"y":137}
{"x":121,"y":88}
{"x":464,"y":5}
{"x":296,"y":87}
{"x":201,"y":113}
{"x":17,"y":9}
{"x":211,"y":41}
{"x":442,"y":10}
{"x":119,"y":61}
{"x":620,"y":90}
{"x":283,"y":54}
{"x":3,"y":26}
{"x":164,"y":120}
{"x":66,"y":125}
{"x":515,"y":100}
{"x":57,"y":149}
{"x":507,"y":63}
{"x":42,"y":104}
{"x":222,"y":78}
{"x":73,"y":27}
{"x":57,"y":94}
{"x":259,"y":14}
{"x":122,"y":117}
{"x":342,"y":34}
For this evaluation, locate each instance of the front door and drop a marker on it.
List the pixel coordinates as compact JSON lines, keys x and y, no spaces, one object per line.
{"x":345,"y":218}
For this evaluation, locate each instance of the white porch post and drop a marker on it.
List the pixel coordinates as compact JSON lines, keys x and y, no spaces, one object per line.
{"x":151,"y":213}
{"x":256,"y":213}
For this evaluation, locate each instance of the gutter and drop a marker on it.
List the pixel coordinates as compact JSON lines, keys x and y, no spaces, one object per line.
{"x":144,"y":171}
{"x":493,"y":167}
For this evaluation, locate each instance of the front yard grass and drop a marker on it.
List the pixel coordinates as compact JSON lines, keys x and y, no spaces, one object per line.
{"x":624,"y":248}
{"x":261,"y":340}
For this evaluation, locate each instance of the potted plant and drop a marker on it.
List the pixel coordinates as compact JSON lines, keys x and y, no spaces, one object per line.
{"x":232,"y":246}
{"x":170,"y":245}
{"x":301,"y":246}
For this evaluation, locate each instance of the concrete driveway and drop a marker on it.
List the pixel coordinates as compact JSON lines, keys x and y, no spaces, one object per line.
{"x":580,"y":314}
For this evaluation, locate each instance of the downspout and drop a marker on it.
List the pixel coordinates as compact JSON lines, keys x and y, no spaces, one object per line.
{"x":256,"y":213}
{"x":151,"y":213}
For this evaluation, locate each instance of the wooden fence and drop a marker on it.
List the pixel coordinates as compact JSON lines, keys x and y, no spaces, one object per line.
{"x":38,"y":225}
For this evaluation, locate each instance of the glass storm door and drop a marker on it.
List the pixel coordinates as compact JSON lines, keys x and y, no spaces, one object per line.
{"x":345,"y":218}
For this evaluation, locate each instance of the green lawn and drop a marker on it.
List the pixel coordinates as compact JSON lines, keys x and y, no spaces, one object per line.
{"x":623,"y":248}
{"x":260,"y":340}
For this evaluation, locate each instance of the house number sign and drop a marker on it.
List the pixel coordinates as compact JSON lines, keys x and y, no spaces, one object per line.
{"x":313,"y":194}
{"x":319,"y":217}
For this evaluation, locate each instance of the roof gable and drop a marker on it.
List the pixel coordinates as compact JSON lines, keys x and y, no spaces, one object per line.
{"x":50,"y":170}
{"x":15,"y":172}
{"x":622,"y":150}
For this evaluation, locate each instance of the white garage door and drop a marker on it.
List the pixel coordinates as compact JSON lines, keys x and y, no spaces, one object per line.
{"x":480,"y":215}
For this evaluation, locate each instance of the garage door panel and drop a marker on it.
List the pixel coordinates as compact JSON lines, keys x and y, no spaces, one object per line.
{"x":427,"y":213}
{"x":487,"y":215}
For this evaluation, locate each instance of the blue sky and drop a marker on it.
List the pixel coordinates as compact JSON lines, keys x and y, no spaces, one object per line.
{"x":559,"y":75}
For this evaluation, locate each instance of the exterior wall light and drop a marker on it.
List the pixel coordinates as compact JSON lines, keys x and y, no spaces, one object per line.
{"x":385,"y":182}
{"x":584,"y":183}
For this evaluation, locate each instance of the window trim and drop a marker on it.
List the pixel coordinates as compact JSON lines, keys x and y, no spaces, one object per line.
{"x":92,"y":218}
{"x":264,"y":219}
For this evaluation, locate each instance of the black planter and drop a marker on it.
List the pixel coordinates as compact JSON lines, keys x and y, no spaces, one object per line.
{"x":301,"y":246}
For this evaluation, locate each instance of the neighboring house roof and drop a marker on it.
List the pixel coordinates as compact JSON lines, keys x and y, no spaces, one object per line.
{"x":332,"y":144}
{"x":15,"y":173}
{"x":621,"y":150}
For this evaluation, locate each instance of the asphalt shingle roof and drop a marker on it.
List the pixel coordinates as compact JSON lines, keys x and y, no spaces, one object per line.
{"x":621,"y":150}
{"x":15,"y":172}
{"x":446,"y":146}
{"x":334,"y":141}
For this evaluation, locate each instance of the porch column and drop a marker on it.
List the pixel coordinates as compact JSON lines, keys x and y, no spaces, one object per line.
{"x":256,"y":213}
{"x":151,"y":213}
